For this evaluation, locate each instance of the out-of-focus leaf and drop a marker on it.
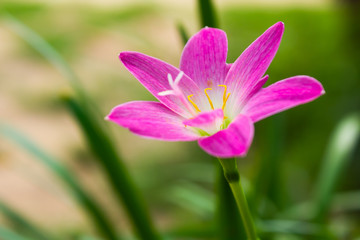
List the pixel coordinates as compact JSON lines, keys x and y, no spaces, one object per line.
{"x":182,"y":32}
{"x":6,"y":234}
{"x":50,"y":54}
{"x":338,"y":154}
{"x":207,"y":14}
{"x":228,"y":219}
{"x":268,"y":182}
{"x":23,"y":224}
{"x":291,"y":227}
{"x":44,"y":48}
{"x":192,"y":231}
{"x":116,"y":15}
{"x":348,"y":201}
{"x":106,"y":152}
{"x":88,"y":238}
{"x":86,"y":201}
{"x":193,"y":198}
{"x":137,"y":210}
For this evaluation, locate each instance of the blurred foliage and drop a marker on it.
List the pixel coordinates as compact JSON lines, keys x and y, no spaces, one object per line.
{"x":21,"y":224}
{"x":85,"y":201}
{"x":286,"y":158}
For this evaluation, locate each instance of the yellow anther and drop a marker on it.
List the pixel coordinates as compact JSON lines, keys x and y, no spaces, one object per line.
{"x":211,"y":104}
{"x":225,"y":97}
{"x":225,"y":88}
{"x":224,"y":101}
{"x":192,"y":102}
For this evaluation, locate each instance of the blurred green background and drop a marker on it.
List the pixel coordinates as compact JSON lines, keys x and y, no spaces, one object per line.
{"x":321,"y":39}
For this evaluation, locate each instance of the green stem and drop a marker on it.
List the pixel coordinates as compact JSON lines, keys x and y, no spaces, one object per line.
{"x":233,"y":178}
{"x":228,"y":221}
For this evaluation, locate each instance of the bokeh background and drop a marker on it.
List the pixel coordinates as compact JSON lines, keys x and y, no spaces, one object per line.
{"x":321,"y":39}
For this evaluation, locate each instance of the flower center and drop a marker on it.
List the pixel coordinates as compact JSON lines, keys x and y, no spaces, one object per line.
{"x":189,"y":103}
{"x":224,"y":98}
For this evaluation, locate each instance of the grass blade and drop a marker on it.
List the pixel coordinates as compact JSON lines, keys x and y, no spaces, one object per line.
{"x":44,"y":48}
{"x":207,"y":14}
{"x":51,"y":54}
{"x":94,"y":211}
{"x":182,"y":32}
{"x":6,"y":234}
{"x":121,"y":182}
{"x":23,"y":224}
{"x":338,"y":154}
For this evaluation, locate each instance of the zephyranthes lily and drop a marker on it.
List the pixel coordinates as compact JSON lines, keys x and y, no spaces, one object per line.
{"x":207,"y":99}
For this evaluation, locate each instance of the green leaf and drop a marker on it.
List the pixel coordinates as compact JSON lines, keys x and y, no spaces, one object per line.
{"x":44,"y":48}
{"x":338,"y":155}
{"x":6,"y":234}
{"x":192,"y":197}
{"x":182,"y":32}
{"x":86,"y":201}
{"x":207,"y":13}
{"x":104,"y":149}
{"x":112,"y":164}
{"x":290,"y":227}
{"x":52,"y":55}
{"x":86,"y":237}
{"x":268,"y":183}
{"x":23,"y":224}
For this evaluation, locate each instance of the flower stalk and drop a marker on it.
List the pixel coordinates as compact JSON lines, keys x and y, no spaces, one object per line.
{"x":233,"y":178}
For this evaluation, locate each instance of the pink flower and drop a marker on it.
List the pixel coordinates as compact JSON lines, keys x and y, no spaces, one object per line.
{"x":207,"y":99}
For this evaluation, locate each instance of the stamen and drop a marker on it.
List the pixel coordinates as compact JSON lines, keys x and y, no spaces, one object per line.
{"x":225,"y":97}
{"x":211,"y":104}
{"x":224,"y":101}
{"x":192,"y":102}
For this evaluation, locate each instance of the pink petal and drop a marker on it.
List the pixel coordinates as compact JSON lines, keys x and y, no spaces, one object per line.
{"x":152,"y":73}
{"x":204,"y":57}
{"x":151,"y":119}
{"x":252,"y":65}
{"x":210,"y":122}
{"x":233,"y":141}
{"x":258,"y":86}
{"x":282,"y":95}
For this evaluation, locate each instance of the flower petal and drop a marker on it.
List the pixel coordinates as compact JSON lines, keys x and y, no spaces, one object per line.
{"x":282,"y":95}
{"x":204,"y":57}
{"x":252,"y":65}
{"x":255,"y":89}
{"x":151,"y":119}
{"x":233,"y":141}
{"x":210,"y":122}
{"x":152,"y":73}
